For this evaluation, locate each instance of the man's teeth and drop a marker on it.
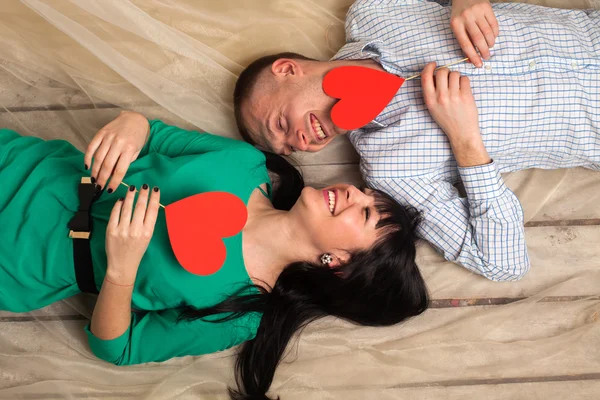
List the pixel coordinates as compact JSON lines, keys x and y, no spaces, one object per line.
{"x":331,"y":201}
{"x":319,"y":130}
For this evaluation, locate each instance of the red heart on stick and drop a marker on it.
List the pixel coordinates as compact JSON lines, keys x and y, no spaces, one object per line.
{"x":363,"y":93}
{"x":197,"y":226}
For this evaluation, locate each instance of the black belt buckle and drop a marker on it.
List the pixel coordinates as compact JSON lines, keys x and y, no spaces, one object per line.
{"x":81,"y":224}
{"x":79,"y":234}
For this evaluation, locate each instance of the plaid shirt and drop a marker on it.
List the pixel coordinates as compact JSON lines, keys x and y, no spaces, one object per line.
{"x":539,"y":107}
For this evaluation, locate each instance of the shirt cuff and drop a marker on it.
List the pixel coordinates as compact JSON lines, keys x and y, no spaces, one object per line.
{"x":109,"y":350}
{"x":482,"y":182}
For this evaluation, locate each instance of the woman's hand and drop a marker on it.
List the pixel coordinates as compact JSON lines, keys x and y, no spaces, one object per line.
{"x":127,"y":238}
{"x":474,"y":25}
{"x":449,"y":99}
{"x":115,"y":147}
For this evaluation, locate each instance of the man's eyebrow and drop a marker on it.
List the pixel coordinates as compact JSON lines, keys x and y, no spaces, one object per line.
{"x":269,"y":131}
{"x":270,"y":138}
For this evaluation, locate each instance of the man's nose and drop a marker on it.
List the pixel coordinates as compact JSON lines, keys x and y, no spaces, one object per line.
{"x":301,"y":141}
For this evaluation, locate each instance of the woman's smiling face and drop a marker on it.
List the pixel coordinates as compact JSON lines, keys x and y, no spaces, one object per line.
{"x":339,"y":218}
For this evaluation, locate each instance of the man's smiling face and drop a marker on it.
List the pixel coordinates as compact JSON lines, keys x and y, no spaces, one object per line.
{"x":288,"y":111}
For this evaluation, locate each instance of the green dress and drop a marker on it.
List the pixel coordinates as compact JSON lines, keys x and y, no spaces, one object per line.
{"x":38,"y":197}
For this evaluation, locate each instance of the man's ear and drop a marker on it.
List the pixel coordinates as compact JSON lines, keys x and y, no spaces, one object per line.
{"x":285,"y":67}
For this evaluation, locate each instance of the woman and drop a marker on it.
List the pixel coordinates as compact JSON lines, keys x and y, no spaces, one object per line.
{"x":305,"y":253}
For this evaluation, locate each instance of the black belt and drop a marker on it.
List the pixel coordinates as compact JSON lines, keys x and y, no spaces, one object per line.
{"x":80,"y":231}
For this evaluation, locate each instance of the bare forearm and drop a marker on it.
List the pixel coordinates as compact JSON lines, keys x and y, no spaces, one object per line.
{"x":112,"y":313}
{"x":470,"y":151}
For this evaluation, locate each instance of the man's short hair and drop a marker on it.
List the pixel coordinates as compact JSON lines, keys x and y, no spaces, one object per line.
{"x":247,"y":81}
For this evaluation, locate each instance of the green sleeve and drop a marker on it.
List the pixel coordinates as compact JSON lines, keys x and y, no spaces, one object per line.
{"x":157,"y":336}
{"x":173,"y":141}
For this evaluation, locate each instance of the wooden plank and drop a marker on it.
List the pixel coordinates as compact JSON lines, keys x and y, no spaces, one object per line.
{"x":29,"y":90}
{"x":531,"y":341}
{"x":565,"y":262}
{"x":74,"y":308}
{"x":325,"y":175}
{"x":516,"y":344}
{"x":339,"y":151}
{"x":572,"y":390}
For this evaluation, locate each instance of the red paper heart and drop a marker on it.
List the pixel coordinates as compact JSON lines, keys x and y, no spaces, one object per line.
{"x":197,"y":225}
{"x":363,"y":93}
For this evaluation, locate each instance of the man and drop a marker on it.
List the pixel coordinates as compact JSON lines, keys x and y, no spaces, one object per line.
{"x":539,"y":107}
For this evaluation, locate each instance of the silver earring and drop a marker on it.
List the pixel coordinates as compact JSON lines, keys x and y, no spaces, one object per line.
{"x":326,"y":259}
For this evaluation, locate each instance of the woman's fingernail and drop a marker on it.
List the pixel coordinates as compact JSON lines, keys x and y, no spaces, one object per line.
{"x":86,"y":166}
{"x":131,"y":188}
{"x":156,"y":188}
{"x":145,"y":186}
{"x":109,"y":191}
{"x":122,"y":198}
{"x":93,"y":179}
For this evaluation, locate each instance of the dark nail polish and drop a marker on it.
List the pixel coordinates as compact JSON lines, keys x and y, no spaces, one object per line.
{"x":109,"y":191}
{"x":131,"y":188}
{"x":156,"y":188}
{"x":145,"y":186}
{"x":86,"y":166}
{"x":93,"y":179}
{"x":122,"y":198}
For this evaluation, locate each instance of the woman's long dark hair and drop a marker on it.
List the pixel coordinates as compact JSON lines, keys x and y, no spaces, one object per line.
{"x":378,"y":287}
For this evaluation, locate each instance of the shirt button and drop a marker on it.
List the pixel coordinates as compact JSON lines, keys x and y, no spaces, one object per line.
{"x":532,"y":64}
{"x":574,"y":64}
{"x":488,"y":67}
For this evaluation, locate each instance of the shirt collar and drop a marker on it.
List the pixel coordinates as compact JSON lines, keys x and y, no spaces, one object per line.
{"x":365,"y":50}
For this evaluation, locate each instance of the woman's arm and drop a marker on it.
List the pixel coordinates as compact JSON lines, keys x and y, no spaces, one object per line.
{"x":159,"y":335}
{"x":112,"y":313}
{"x":115,"y":147}
{"x":127,"y":238}
{"x":131,"y":135}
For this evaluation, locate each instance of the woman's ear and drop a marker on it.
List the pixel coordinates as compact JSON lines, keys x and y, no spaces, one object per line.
{"x":338,"y":259}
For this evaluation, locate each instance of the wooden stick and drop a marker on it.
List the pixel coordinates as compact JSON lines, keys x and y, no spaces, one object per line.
{"x":127,"y":186}
{"x":443,"y":66}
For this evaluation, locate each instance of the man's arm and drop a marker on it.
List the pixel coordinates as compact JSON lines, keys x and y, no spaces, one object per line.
{"x":473,"y":22}
{"x":475,"y":26}
{"x":483,"y":232}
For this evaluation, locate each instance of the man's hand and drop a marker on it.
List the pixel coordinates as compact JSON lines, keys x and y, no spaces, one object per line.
{"x":474,"y":25}
{"x":450,"y":102}
{"x":115,"y":147}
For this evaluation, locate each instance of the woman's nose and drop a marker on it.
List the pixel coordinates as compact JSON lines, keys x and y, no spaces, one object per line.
{"x":351,"y":191}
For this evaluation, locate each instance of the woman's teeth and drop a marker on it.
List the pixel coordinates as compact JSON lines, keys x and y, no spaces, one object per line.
{"x":331,"y":201}
{"x":318,"y":130}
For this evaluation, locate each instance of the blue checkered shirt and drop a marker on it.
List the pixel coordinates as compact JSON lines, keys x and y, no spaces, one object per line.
{"x":539,"y":107}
